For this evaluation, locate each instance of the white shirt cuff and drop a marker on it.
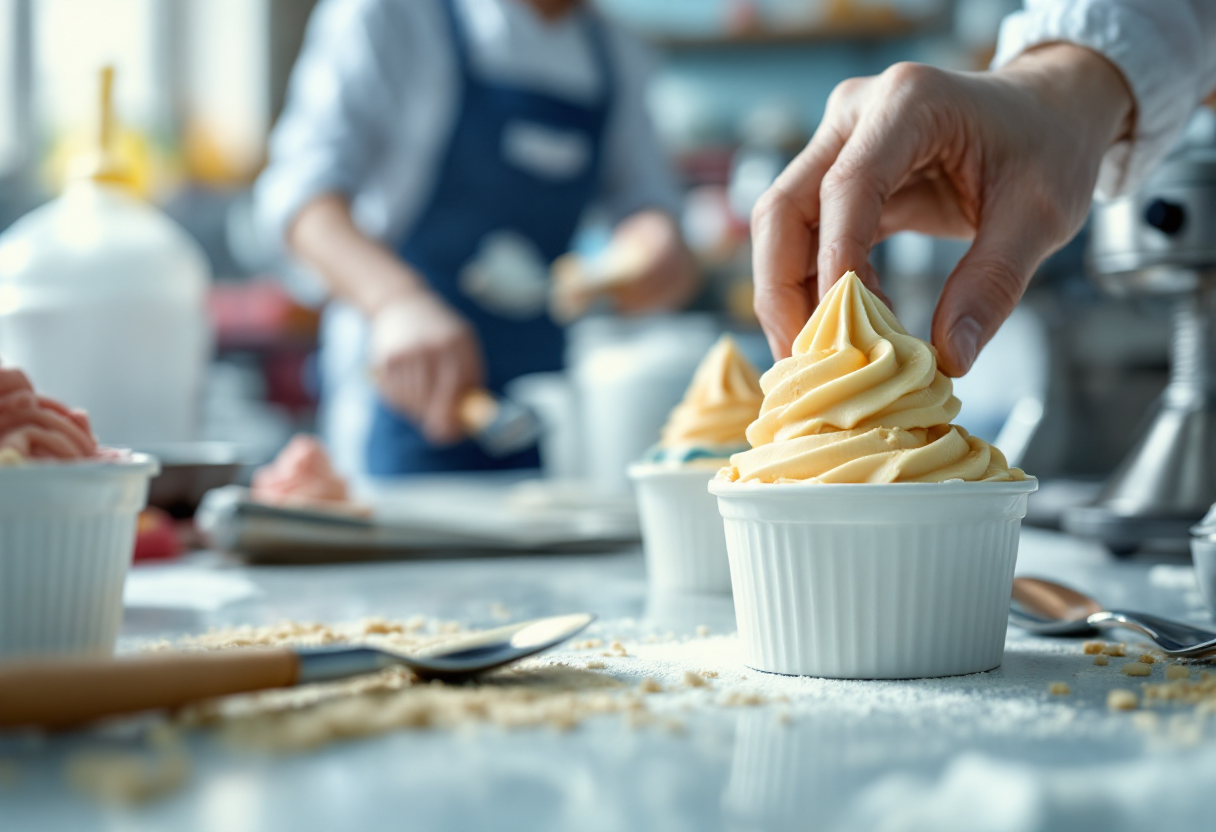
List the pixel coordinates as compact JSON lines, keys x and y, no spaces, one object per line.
{"x":1156,"y":46}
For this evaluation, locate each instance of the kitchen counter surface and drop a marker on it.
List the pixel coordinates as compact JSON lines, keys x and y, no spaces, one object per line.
{"x":988,"y":752}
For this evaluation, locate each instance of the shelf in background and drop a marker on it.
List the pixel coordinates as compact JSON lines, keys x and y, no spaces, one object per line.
{"x":876,"y":27}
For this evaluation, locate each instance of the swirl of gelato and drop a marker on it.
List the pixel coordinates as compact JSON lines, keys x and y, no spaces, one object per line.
{"x":300,"y":475}
{"x":861,"y":401}
{"x":721,"y":401}
{"x":35,"y":427}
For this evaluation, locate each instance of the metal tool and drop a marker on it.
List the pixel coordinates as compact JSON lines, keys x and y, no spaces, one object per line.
{"x":500,"y":426}
{"x":1161,"y":242}
{"x":1047,"y":608}
{"x":61,"y":693}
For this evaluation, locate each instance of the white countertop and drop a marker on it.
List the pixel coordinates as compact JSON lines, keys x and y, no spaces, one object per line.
{"x":987,"y":752}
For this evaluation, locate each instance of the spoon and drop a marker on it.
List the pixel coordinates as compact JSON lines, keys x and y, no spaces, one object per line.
{"x":1047,"y":608}
{"x":58,"y":693}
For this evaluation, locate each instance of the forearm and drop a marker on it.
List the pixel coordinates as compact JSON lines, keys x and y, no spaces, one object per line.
{"x":353,"y":266}
{"x":1079,"y":85}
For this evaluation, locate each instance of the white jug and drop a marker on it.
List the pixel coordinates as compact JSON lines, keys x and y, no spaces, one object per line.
{"x":103,"y":304}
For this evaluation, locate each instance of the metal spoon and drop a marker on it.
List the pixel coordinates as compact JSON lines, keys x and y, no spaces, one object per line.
{"x":57,"y":693}
{"x":1047,"y":608}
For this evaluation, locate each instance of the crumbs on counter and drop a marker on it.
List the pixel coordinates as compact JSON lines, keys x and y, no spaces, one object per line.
{"x":1101,"y":660}
{"x":709,"y":674}
{"x":1136,"y":669}
{"x":587,"y":644}
{"x":1147,"y":658}
{"x":649,"y":685}
{"x":1121,"y":699}
{"x":694,"y":680}
{"x":1059,"y":689}
{"x":742,"y":699}
{"x":1115,"y":649}
{"x":594,"y":664}
{"x":1093,"y":648}
{"x":616,"y":649}
{"x":702,"y":631}
{"x":1174,"y":672}
{"x":128,"y":777}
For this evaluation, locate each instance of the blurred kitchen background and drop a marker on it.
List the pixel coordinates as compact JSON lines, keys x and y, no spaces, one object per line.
{"x":740,"y":88}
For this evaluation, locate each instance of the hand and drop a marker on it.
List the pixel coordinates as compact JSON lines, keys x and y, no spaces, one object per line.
{"x":646,"y":268}
{"x":1008,"y":159}
{"x":663,"y":274}
{"x":425,"y":358}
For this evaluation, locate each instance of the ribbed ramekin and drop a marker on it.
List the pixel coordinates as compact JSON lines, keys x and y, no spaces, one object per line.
{"x":872,"y":581}
{"x":682,"y":531}
{"x":67,"y":533}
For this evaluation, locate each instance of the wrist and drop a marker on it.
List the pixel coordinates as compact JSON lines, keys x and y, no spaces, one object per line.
{"x":1080,"y":86}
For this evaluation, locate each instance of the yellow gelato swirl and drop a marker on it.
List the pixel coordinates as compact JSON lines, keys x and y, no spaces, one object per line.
{"x":861,"y":400}
{"x":722,"y":400}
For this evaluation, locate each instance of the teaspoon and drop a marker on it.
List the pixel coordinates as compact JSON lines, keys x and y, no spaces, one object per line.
{"x":1048,"y":608}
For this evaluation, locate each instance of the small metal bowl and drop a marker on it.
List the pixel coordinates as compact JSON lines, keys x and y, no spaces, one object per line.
{"x":191,"y":469}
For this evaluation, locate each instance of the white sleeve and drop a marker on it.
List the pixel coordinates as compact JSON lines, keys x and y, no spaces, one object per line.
{"x":636,"y":174}
{"x":1166,"y":50}
{"x":339,"y":112}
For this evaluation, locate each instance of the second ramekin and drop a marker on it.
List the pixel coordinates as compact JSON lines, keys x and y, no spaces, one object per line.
{"x":67,"y":534}
{"x":682,"y":532}
{"x":872,"y":581}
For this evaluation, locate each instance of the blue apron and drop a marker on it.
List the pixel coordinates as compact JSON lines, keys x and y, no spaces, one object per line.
{"x":479,"y":192}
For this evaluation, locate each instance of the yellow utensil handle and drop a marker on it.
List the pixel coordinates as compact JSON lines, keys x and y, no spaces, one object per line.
{"x":61,"y":693}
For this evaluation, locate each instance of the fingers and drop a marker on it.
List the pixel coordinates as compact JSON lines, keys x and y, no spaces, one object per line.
{"x":988,"y":283}
{"x":882,"y":152}
{"x":456,"y":374}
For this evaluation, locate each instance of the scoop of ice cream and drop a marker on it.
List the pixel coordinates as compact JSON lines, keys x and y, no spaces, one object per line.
{"x":861,"y":400}
{"x":35,"y":427}
{"x":301,"y":474}
{"x":722,"y":400}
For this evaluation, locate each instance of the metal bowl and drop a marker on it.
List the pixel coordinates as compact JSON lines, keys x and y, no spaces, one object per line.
{"x":191,"y":469}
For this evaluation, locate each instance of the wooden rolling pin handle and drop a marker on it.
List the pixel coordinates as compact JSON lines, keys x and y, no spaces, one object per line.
{"x":68,"y":692}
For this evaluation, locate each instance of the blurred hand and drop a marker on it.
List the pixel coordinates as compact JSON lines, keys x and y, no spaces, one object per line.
{"x":1009,"y":159}
{"x":425,"y":358}
{"x":664,"y":275}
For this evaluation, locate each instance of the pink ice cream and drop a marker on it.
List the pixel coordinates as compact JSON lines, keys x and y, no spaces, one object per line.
{"x":35,"y":427}
{"x":301,"y":475}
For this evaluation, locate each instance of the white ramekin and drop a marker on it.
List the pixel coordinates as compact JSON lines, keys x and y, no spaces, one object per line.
{"x":872,"y":581}
{"x":67,"y":534}
{"x":682,"y":531}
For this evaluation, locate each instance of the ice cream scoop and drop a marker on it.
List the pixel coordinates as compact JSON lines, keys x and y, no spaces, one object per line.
{"x":861,"y":400}
{"x":36,"y":427}
{"x":48,"y":693}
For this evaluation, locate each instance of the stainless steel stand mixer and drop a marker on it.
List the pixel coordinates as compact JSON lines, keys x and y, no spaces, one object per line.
{"x":1161,"y":242}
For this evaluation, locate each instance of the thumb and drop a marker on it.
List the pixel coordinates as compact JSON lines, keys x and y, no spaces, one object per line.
{"x":985,"y":287}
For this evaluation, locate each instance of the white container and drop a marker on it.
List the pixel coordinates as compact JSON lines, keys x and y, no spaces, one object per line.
{"x":682,"y":531}
{"x":872,"y":581}
{"x":67,"y":534}
{"x":103,"y":304}
{"x":628,"y":375}
{"x":1203,"y":554}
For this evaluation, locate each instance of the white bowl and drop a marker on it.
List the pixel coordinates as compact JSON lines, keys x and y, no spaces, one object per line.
{"x":67,"y":534}
{"x":1203,"y":554}
{"x":895,"y":581}
{"x":682,"y":532}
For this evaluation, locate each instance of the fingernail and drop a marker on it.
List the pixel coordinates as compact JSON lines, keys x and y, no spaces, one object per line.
{"x":965,"y":342}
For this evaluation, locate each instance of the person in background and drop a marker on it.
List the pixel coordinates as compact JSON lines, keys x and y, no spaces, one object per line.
{"x":1083,"y":93}
{"x":426,"y":147}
